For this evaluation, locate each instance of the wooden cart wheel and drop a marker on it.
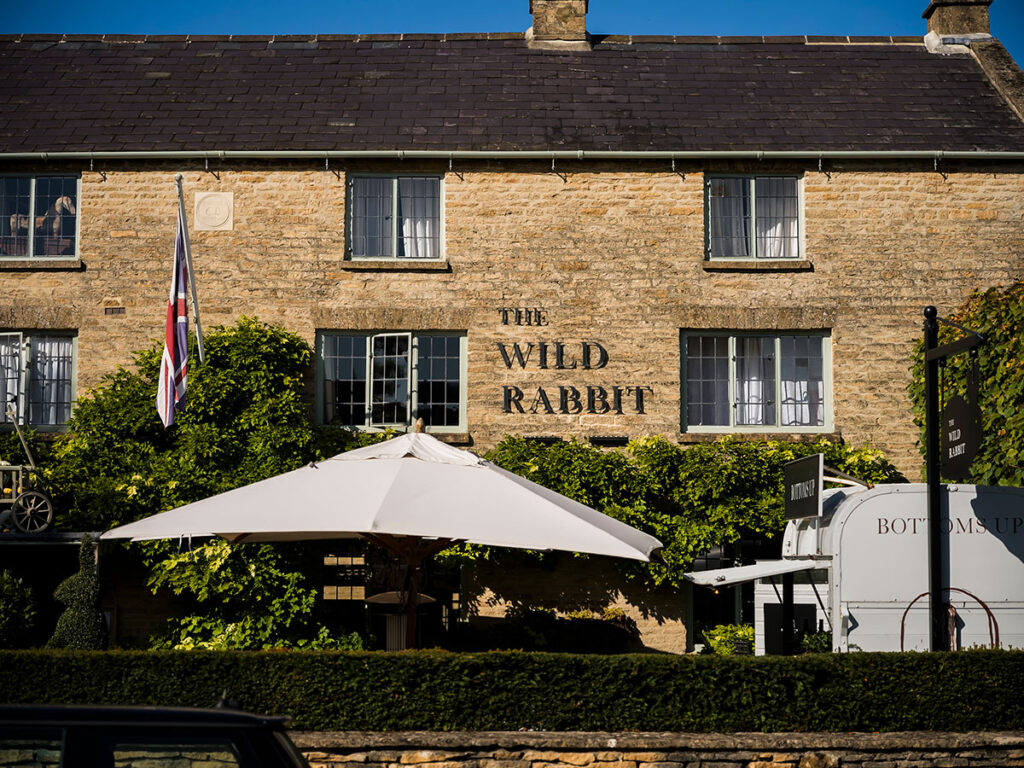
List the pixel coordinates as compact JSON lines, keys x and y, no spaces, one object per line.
{"x":32,"y":512}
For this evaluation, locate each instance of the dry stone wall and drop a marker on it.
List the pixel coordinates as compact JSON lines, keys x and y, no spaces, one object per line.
{"x":661,"y":750}
{"x":611,"y":254}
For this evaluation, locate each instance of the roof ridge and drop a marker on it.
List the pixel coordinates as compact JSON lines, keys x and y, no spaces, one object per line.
{"x":599,"y":39}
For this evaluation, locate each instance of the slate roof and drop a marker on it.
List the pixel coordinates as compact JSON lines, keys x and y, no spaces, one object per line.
{"x":492,"y":92}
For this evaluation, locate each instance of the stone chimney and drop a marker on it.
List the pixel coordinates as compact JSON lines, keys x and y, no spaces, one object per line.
{"x":961,"y":26}
{"x":559,"y":25}
{"x":957,"y":17}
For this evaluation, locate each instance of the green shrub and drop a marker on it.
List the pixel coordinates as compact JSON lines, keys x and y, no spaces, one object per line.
{"x":729,"y":639}
{"x":998,"y":314}
{"x":816,"y":642}
{"x":81,"y":626}
{"x":17,"y":611}
{"x":434,"y":690}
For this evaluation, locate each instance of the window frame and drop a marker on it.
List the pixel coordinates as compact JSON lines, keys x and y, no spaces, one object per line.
{"x":394,"y":258}
{"x":33,"y":214}
{"x":827,"y":425}
{"x":413,"y":370}
{"x":751,"y":229}
{"x":25,"y":382}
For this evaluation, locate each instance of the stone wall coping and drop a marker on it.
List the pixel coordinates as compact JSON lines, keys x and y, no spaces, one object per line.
{"x":646,"y":741}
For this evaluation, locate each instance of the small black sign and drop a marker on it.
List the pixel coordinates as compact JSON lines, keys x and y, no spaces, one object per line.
{"x":959,"y":438}
{"x":802,"y":480}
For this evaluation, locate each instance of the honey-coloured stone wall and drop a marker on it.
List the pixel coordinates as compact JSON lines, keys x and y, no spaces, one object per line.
{"x":662,"y":750}
{"x":607,"y":254}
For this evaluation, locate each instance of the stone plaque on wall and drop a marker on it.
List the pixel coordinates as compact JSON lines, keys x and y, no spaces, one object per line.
{"x":214,"y":211}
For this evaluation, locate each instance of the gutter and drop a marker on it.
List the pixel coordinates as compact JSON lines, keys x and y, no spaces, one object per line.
{"x":404,"y":154}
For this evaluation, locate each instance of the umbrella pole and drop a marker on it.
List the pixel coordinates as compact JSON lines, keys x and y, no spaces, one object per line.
{"x":412,"y":605}
{"x":412,"y":550}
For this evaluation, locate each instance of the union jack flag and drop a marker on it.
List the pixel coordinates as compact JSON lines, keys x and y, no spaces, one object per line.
{"x":170,"y":395}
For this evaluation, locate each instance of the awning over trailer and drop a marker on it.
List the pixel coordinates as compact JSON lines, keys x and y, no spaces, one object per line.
{"x":725,"y":577}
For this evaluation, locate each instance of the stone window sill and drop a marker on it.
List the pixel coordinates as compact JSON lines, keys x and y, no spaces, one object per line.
{"x":29,"y":265}
{"x":793,"y":437}
{"x":762,"y":265}
{"x":397,"y":265}
{"x":453,"y":438}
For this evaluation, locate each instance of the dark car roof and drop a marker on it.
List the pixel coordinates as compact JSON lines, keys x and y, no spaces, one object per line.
{"x":64,"y":715}
{"x":492,"y":92}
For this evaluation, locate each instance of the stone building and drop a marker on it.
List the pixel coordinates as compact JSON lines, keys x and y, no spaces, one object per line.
{"x":552,"y":235}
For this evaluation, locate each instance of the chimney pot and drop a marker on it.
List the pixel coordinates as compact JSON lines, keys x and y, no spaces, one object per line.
{"x":958,"y":17}
{"x":559,"y":24}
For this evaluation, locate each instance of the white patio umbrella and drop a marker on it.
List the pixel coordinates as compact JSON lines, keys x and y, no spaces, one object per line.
{"x":412,"y":495}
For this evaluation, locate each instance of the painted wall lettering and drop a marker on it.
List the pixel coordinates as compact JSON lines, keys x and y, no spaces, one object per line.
{"x":552,"y":355}
{"x":556,"y":355}
{"x":570,"y":400}
{"x":523,"y":316}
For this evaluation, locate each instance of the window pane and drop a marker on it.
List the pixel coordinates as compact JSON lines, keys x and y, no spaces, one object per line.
{"x":15,"y":215}
{"x":10,"y":373}
{"x":345,"y":380}
{"x":390,"y":389}
{"x":438,"y":380}
{"x":802,"y":381}
{"x":50,"y":370}
{"x":755,"y":380}
{"x":371,"y":219}
{"x":55,"y":210}
{"x":728,"y":207}
{"x":777,"y":217}
{"x":419,"y":212}
{"x":706,"y":357}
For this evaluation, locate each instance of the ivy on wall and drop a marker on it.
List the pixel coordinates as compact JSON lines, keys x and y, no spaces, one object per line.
{"x":998,"y":315}
{"x":692,"y":498}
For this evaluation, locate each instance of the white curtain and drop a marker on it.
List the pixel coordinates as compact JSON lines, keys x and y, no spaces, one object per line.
{"x":777,"y":217}
{"x":729,"y":217}
{"x":803,"y":403}
{"x":10,"y":372}
{"x":50,"y":361}
{"x":418,"y":210}
{"x":802,"y":381}
{"x":755,"y":381}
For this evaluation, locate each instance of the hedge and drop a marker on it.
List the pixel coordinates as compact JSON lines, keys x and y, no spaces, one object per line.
{"x":436,"y":690}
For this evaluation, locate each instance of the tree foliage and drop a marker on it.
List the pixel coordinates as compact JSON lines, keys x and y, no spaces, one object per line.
{"x":997,"y":314}
{"x":246,"y":418}
{"x":691,"y":498}
{"x":246,"y":598}
{"x":17,"y":611}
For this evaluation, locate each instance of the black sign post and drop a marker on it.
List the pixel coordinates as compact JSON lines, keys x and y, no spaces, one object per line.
{"x":960,"y":440}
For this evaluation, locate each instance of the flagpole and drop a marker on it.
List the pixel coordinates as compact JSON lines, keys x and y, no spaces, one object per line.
{"x":191,"y":274}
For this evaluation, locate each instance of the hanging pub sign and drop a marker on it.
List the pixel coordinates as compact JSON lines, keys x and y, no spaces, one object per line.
{"x":803,"y":480}
{"x":959,"y":436}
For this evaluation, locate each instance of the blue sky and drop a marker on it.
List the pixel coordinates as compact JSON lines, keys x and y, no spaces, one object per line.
{"x":678,"y":17}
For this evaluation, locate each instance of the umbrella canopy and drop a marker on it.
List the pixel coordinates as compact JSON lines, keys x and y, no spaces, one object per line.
{"x":410,"y":486}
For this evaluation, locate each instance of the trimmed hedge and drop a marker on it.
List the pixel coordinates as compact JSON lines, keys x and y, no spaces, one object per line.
{"x":434,"y":690}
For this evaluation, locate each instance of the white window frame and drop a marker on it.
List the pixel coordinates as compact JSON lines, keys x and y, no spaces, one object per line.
{"x":395,"y":234}
{"x":414,"y":337}
{"x":751,"y":179}
{"x":25,"y":383}
{"x":733,"y":427}
{"x":33,"y":213}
